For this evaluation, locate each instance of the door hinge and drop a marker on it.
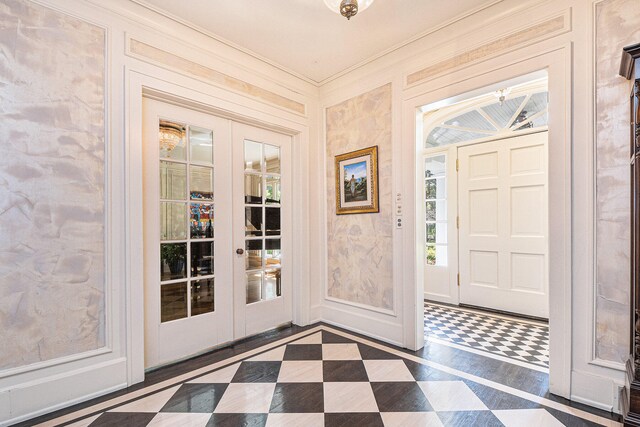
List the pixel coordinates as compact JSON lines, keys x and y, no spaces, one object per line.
{"x":457,"y":165}
{"x":458,"y":222}
{"x":458,"y":279}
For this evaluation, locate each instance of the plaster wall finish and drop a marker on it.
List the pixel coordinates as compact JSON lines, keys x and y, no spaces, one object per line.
{"x":360,"y":246}
{"x":617,"y":25}
{"x":52,"y":187}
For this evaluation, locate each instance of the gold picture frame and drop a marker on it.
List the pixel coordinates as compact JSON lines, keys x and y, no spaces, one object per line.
{"x":357,"y":182}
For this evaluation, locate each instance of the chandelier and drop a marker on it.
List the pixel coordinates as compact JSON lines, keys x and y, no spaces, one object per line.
{"x":348,"y":8}
{"x":170,"y":135}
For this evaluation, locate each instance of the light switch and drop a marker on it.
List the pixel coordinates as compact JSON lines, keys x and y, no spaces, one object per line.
{"x":398,"y":222}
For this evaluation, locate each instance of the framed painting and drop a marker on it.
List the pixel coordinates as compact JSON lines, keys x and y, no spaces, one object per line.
{"x":357,"y":182}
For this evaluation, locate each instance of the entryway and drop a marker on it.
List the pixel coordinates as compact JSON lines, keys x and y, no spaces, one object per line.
{"x":217,"y":210}
{"x":485,"y":172}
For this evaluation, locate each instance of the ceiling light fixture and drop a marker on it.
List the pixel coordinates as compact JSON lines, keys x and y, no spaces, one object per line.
{"x":502,"y":94}
{"x":348,"y":8}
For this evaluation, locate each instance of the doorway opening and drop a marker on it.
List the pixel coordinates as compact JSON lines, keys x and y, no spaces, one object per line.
{"x":485,"y":219}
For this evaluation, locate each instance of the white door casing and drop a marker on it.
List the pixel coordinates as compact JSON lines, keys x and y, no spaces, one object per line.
{"x":503,"y":235}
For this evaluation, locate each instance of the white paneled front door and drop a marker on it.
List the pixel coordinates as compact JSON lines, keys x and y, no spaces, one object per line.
{"x":503,"y":235}
{"x":212,"y":187}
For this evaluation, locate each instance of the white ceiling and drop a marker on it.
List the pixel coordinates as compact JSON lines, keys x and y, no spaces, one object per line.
{"x":305,"y":37}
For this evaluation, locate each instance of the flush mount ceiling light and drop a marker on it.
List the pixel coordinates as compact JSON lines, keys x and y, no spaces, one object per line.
{"x":348,"y":8}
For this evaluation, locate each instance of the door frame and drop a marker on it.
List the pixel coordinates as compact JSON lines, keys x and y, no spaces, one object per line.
{"x":195,"y":95}
{"x":474,"y":81}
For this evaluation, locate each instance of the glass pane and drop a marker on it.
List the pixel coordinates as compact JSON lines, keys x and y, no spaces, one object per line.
{"x":254,"y":287}
{"x":272,"y":190}
{"x":172,"y":139}
{"x":201,"y":145}
{"x":202,"y":297}
{"x":272,"y":285}
{"x":201,"y":182}
{"x":437,"y":255}
{"x":252,"y":189}
{"x":252,"y":156}
{"x":173,"y":181}
{"x":272,"y":158}
{"x":253,"y":257}
{"x":272,"y":253}
{"x":173,"y":221}
{"x":173,"y":263}
{"x":440,"y":136}
{"x":272,"y":219}
{"x":201,"y":258}
{"x":471,"y":120}
{"x":441,"y":232}
{"x":201,"y":221}
{"x":173,"y":301}
{"x":435,"y":166}
{"x":436,"y":210}
{"x":253,"y":221}
{"x":431,"y":233}
{"x":534,"y":105}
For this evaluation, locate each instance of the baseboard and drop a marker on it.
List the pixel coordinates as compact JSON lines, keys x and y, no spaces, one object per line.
{"x":31,"y":399}
{"x":595,"y":390}
{"x":371,"y":324}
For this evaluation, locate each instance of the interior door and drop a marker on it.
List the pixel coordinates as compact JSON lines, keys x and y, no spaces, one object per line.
{"x":503,"y":235}
{"x":187,"y":232}
{"x":262,"y":229}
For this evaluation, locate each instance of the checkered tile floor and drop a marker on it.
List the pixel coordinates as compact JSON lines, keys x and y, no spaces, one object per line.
{"x":517,"y":340}
{"x":326,"y":379}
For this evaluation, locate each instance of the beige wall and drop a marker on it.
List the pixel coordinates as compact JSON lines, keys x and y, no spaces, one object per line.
{"x":52,"y":284}
{"x":617,"y":25}
{"x":360,"y":246}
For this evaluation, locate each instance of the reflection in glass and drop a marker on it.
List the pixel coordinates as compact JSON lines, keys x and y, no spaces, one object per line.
{"x":173,"y":181}
{"x":254,"y":287}
{"x":437,"y":255}
{"x":272,"y":190}
{"x":201,"y":182}
{"x":202,"y":297}
{"x":201,"y":221}
{"x":272,"y":220}
{"x":436,"y":210}
{"x":272,"y":285}
{"x":252,"y":156}
{"x":253,"y":221}
{"x":171,"y":140}
{"x":431,"y":233}
{"x":173,"y":257}
{"x":201,"y":258}
{"x":253,"y":254}
{"x":252,"y":189}
{"x":272,"y":253}
{"x":201,"y":145}
{"x":435,"y":166}
{"x":272,"y":158}
{"x":173,"y":301}
{"x":173,"y":221}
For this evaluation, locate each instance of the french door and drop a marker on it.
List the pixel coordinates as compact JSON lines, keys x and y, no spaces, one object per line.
{"x":215,"y":195}
{"x":503,"y":235}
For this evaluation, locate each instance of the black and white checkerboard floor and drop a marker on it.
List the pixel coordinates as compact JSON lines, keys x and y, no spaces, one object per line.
{"x":325,"y":377}
{"x":524,"y":341}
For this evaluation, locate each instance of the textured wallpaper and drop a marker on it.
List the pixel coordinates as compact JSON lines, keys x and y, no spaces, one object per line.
{"x":360,"y":247}
{"x":617,"y":25}
{"x":52,"y":105}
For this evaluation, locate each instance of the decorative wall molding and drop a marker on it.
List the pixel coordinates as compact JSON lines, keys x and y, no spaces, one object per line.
{"x":145,"y":52}
{"x":543,"y":30}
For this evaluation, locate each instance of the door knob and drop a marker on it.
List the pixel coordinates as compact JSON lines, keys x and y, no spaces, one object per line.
{"x":239,"y":251}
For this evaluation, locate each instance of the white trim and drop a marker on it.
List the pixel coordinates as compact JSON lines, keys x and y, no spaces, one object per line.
{"x":358,"y":305}
{"x":190,"y":93}
{"x":490,"y":355}
{"x":558,"y":62}
{"x":54,"y":362}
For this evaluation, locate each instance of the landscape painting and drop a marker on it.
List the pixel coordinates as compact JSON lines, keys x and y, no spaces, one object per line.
{"x":356,"y":182}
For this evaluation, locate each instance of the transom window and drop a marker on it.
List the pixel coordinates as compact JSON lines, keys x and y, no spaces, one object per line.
{"x":517,"y":113}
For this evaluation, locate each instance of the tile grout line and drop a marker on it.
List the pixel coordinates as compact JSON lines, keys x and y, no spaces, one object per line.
{"x":489,"y":314}
{"x":117,"y":401}
{"x":510,"y":390}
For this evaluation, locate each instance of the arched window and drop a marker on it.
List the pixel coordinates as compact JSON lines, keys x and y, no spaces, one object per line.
{"x":488,"y":119}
